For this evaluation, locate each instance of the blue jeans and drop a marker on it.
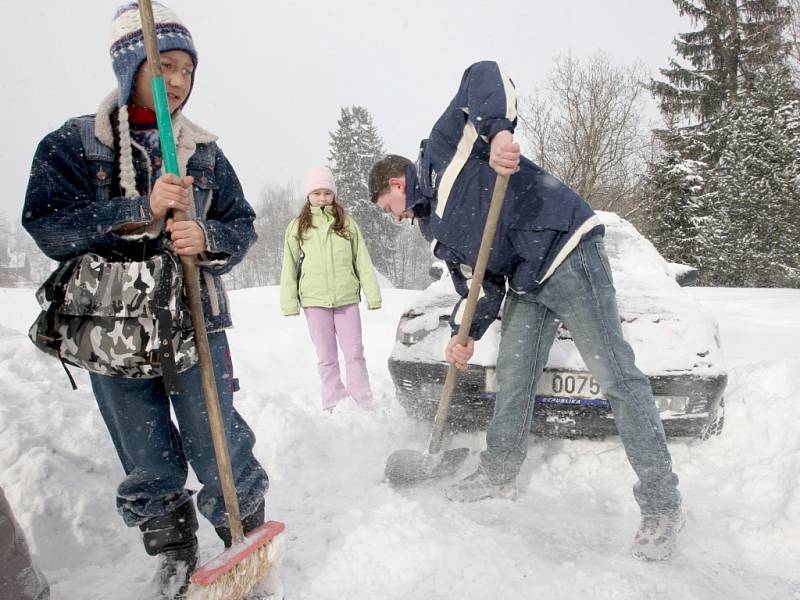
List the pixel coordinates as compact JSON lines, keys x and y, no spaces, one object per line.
{"x":154,"y":453}
{"x":581,"y":294}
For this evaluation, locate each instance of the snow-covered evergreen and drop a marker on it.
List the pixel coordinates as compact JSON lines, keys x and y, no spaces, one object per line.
{"x":355,"y":145}
{"x":756,"y":186}
{"x":673,"y":217}
{"x":397,"y":252}
{"x":722,"y":195}
{"x":733,"y":42}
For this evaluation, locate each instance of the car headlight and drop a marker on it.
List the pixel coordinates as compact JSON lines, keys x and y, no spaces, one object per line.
{"x":409,"y":338}
{"x":675,"y":404}
{"x":406,"y":338}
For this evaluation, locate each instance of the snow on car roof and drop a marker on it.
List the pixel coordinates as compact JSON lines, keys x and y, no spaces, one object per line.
{"x":668,"y":329}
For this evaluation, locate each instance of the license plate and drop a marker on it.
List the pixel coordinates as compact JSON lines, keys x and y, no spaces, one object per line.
{"x":557,"y":384}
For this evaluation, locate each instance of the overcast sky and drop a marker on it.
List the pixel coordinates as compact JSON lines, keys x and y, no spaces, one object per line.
{"x":274,"y":74}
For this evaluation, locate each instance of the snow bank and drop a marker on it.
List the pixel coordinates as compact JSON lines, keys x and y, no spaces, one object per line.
{"x":351,"y":536}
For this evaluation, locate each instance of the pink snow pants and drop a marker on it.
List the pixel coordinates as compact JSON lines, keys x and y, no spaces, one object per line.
{"x":326,"y":325}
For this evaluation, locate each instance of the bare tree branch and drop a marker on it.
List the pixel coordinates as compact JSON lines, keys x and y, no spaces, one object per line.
{"x":586,"y":128}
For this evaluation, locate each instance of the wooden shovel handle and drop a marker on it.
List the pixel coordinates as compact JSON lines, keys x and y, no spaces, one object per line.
{"x":498,"y":195}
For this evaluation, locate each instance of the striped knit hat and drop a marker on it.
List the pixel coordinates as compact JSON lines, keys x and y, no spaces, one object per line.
{"x":127,"y":42}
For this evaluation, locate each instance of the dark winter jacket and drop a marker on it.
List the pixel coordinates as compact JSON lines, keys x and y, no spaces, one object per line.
{"x":73,"y":204}
{"x":450,"y":189}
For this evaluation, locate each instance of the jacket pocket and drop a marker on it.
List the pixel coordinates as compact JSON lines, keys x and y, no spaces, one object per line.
{"x":535,"y":242}
{"x":204,"y":185}
{"x":203,"y":177}
{"x":100,"y":175}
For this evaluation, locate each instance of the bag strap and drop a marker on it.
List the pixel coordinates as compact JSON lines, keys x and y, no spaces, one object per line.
{"x":56,"y":284}
{"x":165,"y":351}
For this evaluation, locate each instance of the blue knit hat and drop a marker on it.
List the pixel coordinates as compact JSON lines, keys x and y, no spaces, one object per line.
{"x":127,"y":42}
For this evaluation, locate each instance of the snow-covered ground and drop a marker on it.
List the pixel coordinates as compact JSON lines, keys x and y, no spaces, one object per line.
{"x":351,"y":536}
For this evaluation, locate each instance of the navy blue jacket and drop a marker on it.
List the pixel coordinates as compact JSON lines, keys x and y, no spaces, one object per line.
{"x":73,"y":206}
{"x":450,"y":189}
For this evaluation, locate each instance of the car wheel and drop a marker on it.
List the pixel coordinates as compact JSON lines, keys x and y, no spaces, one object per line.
{"x":714,"y":428}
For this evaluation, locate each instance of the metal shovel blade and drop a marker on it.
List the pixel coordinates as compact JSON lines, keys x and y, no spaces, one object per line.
{"x":407,"y":467}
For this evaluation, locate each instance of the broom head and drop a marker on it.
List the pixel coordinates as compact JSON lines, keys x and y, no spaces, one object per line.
{"x":233,"y":573}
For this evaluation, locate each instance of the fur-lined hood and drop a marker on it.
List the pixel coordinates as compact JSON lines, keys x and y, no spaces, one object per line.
{"x":187,"y":134}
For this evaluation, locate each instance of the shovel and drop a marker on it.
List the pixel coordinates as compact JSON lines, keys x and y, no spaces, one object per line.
{"x":407,"y":467}
{"x":249,"y":559}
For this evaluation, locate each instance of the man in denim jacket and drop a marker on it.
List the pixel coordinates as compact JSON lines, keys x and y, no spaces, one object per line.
{"x":96,"y":185}
{"x":549,"y":264}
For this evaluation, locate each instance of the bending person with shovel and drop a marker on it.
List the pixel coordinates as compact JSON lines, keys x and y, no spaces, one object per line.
{"x":549,"y":264}
{"x":97,"y":186}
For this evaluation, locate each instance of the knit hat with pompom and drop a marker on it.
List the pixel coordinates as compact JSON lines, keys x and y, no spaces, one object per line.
{"x":127,"y":42}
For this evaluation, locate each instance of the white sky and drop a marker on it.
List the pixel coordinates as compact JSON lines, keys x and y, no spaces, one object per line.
{"x":273,"y":76}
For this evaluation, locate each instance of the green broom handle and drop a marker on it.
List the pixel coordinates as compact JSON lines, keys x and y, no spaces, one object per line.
{"x":169,"y":157}
{"x":191,"y":281}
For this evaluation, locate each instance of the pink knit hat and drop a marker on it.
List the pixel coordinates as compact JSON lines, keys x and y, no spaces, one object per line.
{"x":318,"y":178}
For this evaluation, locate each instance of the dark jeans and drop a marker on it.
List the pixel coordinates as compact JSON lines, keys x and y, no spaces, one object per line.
{"x":581,"y":294}
{"x":154,"y":453}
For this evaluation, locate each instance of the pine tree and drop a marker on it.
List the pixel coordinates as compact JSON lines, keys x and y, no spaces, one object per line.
{"x":736,"y":39}
{"x":354,"y":148}
{"x":713,"y":215}
{"x":757,"y":184}
{"x":675,"y":186}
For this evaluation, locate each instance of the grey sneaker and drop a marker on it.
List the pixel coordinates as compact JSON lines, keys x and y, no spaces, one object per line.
{"x":657,"y":534}
{"x":478,"y":486}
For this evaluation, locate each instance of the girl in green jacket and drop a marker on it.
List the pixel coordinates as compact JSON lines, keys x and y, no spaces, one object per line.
{"x":325,"y":266}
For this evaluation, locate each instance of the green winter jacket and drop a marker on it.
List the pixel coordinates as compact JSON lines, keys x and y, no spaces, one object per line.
{"x":333,"y":269}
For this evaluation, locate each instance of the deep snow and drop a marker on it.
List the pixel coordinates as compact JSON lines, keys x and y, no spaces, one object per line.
{"x":351,"y":536}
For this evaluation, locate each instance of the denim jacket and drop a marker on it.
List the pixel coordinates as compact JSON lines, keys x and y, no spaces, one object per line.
{"x":70,"y":208}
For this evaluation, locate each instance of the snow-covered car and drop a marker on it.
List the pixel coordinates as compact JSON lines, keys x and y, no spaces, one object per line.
{"x":676,"y":344}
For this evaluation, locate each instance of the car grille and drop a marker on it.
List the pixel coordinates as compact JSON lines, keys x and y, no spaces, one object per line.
{"x":419,"y":386}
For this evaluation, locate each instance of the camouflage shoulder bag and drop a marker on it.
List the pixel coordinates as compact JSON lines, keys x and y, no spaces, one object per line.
{"x":123,"y":319}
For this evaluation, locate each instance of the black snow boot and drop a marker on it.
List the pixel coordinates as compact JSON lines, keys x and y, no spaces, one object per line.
{"x":250,"y":522}
{"x":172,"y":539}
